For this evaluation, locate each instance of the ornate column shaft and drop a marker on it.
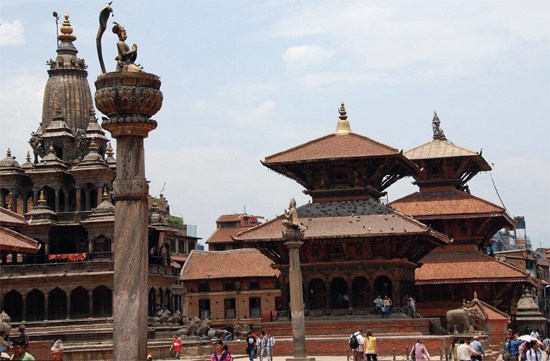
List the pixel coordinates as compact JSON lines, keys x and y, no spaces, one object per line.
{"x":293,"y":237}
{"x":129,"y":99}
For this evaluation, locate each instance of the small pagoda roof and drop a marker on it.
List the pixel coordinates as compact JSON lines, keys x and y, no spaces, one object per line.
{"x":441,"y":147}
{"x":345,"y":219}
{"x":11,"y":219}
{"x":224,"y":234}
{"x":238,"y":263}
{"x":12,"y":241}
{"x":448,"y":204}
{"x":467,"y":266}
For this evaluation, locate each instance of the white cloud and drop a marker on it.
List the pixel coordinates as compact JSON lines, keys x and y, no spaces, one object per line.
{"x":255,"y":115}
{"x":304,"y":57}
{"x":12,"y":33}
{"x":421,"y":40}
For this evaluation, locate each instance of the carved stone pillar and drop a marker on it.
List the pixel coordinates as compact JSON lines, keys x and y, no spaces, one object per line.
{"x":293,"y":238}
{"x":78,"y":198}
{"x":129,"y":100}
{"x":35,"y":192}
{"x":14,"y":196}
{"x":56,"y":192}
{"x":24,"y":306}
{"x":25,"y":200}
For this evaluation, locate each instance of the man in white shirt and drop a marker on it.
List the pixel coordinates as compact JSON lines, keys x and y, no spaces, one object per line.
{"x":465,"y":352}
{"x":359,"y":352}
{"x":534,"y":353}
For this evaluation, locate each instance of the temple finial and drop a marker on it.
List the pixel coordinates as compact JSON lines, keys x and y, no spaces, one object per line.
{"x":66,"y":30}
{"x":42,"y":199}
{"x":343,"y":127}
{"x":438,"y":132}
{"x":8,"y":153}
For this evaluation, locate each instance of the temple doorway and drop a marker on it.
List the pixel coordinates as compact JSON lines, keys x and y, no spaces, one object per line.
{"x":103,"y":302}
{"x":79,"y":303}
{"x":360,"y":291}
{"x":13,"y":305}
{"x":35,"y":305}
{"x":317,"y":294}
{"x":383,"y":286}
{"x":57,"y":304}
{"x":339,"y":293}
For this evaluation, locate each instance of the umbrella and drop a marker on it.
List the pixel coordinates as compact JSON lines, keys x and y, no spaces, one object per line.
{"x":529,"y":338}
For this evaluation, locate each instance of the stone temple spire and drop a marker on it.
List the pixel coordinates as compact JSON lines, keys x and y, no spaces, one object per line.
{"x":67,"y":85}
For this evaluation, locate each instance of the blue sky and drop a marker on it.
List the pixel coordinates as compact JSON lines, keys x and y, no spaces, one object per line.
{"x":246,"y":79}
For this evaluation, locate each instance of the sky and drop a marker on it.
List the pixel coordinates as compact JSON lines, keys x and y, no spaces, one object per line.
{"x":246,"y":79}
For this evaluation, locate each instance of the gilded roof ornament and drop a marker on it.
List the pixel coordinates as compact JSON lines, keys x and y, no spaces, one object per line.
{"x":42,"y":199}
{"x":438,"y":132}
{"x":66,"y":30}
{"x":343,"y":127}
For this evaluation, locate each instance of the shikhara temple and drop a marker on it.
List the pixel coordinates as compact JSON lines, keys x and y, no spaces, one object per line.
{"x":57,"y":236}
{"x":57,"y":215}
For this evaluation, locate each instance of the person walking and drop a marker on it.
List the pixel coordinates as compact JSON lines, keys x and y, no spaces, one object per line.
{"x":534,"y":353}
{"x":56,"y":352}
{"x":23,"y":335}
{"x":221,"y":352}
{"x":419,"y":352}
{"x":357,"y":344}
{"x":270,"y":342}
{"x":260,"y":345}
{"x":19,"y":352}
{"x":176,"y":346}
{"x":250,"y":346}
{"x":465,"y":352}
{"x":453,"y":352}
{"x":370,"y":347}
{"x":513,"y":347}
{"x":478,"y":348}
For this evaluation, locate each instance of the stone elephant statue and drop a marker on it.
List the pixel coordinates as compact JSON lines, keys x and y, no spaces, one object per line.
{"x":463,"y":319}
{"x":5,"y":323}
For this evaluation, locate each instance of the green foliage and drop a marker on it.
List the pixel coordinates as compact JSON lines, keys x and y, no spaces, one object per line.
{"x":175,"y":221}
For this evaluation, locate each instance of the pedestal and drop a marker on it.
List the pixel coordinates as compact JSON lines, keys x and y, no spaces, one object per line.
{"x":293,"y":238}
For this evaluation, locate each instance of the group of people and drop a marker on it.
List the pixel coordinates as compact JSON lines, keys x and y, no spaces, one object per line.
{"x":383,"y":306}
{"x":19,"y":347}
{"x":517,"y":348}
{"x":261,"y":345}
{"x":363,"y":346}
{"x":466,"y":350}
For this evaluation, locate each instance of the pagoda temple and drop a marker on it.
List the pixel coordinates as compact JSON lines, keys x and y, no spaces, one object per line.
{"x":355,"y":247}
{"x":454,"y":272}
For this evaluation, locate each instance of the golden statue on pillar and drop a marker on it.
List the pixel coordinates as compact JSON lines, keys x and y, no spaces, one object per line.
{"x":291,"y":216}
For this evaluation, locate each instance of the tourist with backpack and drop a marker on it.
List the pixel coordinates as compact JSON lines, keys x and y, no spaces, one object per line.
{"x":357,"y":345}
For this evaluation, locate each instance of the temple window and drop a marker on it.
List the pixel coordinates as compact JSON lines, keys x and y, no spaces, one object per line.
{"x":204,"y":308}
{"x":229,"y":308}
{"x":254,"y":304}
{"x":229,"y":286}
{"x":254,"y":285}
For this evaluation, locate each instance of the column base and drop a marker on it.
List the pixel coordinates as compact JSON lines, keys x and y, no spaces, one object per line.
{"x":301,"y":359}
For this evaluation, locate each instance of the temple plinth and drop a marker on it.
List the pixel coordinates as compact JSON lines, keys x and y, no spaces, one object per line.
{"x":293,"y":242}
{"x":129,"y":100}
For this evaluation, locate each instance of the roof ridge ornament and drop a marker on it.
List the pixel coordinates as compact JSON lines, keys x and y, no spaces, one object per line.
{"x":343,"y":127}
{"x":438,"y":132}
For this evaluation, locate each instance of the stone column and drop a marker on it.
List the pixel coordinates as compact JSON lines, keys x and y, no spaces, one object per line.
{"x":56,"y":192}
{"x":78,"y":197}
{"x":293,"y":242}
{"x":24,"y":306}
{"x":129,"y":100}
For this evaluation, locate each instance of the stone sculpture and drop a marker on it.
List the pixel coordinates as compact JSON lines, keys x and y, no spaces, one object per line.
{"x":5,"y":325}
{"x":463,"y":319}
